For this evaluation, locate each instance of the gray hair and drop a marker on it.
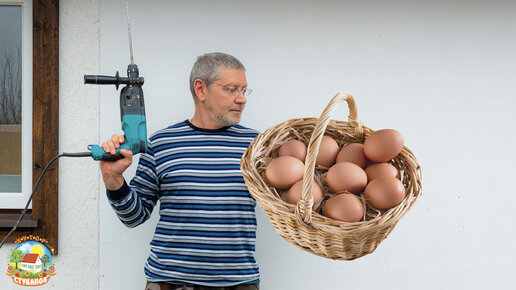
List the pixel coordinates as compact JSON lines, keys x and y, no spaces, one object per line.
{"x":208,"y":68}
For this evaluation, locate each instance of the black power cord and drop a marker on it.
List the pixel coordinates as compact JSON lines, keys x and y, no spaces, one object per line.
{"x":80,"y":154}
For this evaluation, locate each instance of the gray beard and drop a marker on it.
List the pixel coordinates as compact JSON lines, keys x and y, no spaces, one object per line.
{"x":224,"y":119}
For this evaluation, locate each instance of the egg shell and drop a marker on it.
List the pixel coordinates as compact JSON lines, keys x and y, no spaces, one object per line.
{"x":381,"y":169}
{"x":328,"y":150}
{"x":384,"y":192}
{"x":294,"y":194}
{"x":346,"y":176}
{"x":353,"y":153}
{"x":284,"y":171}
{"x":294,"y":148}
{"x":383,"y":145}
{"x":345,"y":207}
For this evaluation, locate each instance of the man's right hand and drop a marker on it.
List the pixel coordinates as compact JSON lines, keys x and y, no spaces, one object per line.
{"x":112,"y":170}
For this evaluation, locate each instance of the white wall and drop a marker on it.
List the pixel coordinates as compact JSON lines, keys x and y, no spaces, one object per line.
{"x":77,"y":265}
{"x":440,"y":72}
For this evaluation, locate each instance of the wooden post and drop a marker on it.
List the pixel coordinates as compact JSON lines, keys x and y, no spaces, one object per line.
{"x":46,"y":117}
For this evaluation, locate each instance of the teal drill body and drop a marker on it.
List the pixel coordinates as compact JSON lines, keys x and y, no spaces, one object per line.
{"x":135,"y":133}
{"x":132,"y":113}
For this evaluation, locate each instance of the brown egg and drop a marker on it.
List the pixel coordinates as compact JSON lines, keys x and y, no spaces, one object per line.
{"x":381,"y":169}
{"x":383,"y":145}
{"x":284,"y":171}
{"x":345,"y":207}
{"x":384,"y":192}
{"x":294,"y":194}
{"x":353,"y":153}
{"x":294,"y":148}
{"x":346,"y":176}
{"x":328,"y":151}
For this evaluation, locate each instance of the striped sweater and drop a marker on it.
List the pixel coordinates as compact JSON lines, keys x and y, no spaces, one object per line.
{"x":207,"y":227}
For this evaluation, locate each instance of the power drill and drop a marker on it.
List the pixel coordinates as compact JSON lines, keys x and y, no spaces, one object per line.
{"x":132,"y":113}
{"x":132,"y":107}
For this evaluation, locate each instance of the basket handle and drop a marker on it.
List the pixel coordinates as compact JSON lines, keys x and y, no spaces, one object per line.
{"x":304,"y":206}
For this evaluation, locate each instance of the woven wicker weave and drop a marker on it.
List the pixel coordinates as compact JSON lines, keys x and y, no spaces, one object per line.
{"x":299,"y":224}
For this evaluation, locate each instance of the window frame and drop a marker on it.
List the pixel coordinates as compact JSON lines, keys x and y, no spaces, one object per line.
{"x":45,"y":128}
{"x":14,"y":200}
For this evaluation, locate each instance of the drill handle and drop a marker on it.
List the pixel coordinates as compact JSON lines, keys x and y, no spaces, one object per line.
{"x":116,"y":80}
{"x":98,"y":153}
{"x":101,"y":80}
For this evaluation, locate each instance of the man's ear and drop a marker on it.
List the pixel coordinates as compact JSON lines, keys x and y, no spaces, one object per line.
{"x":200,"y":89}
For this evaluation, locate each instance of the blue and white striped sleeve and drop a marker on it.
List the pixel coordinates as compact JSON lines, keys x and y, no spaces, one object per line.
{"x":134,"y":204}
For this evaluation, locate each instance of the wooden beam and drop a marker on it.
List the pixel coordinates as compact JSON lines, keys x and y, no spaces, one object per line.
{"x":46,"y":117}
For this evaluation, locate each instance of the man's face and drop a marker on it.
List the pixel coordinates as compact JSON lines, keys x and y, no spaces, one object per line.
{"x":225,"y":107}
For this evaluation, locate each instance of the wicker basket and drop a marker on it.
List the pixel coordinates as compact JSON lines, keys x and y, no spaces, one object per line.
{"x":299,"y":224}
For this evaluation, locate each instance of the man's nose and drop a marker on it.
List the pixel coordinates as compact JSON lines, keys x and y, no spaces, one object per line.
{"x":240,"y":98}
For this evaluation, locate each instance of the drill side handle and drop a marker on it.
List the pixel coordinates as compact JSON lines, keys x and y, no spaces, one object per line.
{"x":101,"y":80}
{"x":114,"y":80}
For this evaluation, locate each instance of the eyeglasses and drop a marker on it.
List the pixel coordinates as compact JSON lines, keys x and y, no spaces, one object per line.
{"x":235,"y":91}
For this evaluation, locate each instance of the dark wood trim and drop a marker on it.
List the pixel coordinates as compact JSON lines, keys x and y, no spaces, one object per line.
{"x":8,"y":219}
{"x":45,"y":143}
{"x":45,"y":121}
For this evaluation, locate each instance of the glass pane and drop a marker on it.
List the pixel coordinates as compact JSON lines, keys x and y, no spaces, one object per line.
{"x":10,"y":98}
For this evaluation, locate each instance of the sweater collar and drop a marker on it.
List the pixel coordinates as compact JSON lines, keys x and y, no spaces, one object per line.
{"x":205,"y":130}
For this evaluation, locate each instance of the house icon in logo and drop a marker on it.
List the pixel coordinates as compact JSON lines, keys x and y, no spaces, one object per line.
{"x":31,"y":263}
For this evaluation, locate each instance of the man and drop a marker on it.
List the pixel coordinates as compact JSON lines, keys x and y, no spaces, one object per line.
{"x":205,"y":237}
